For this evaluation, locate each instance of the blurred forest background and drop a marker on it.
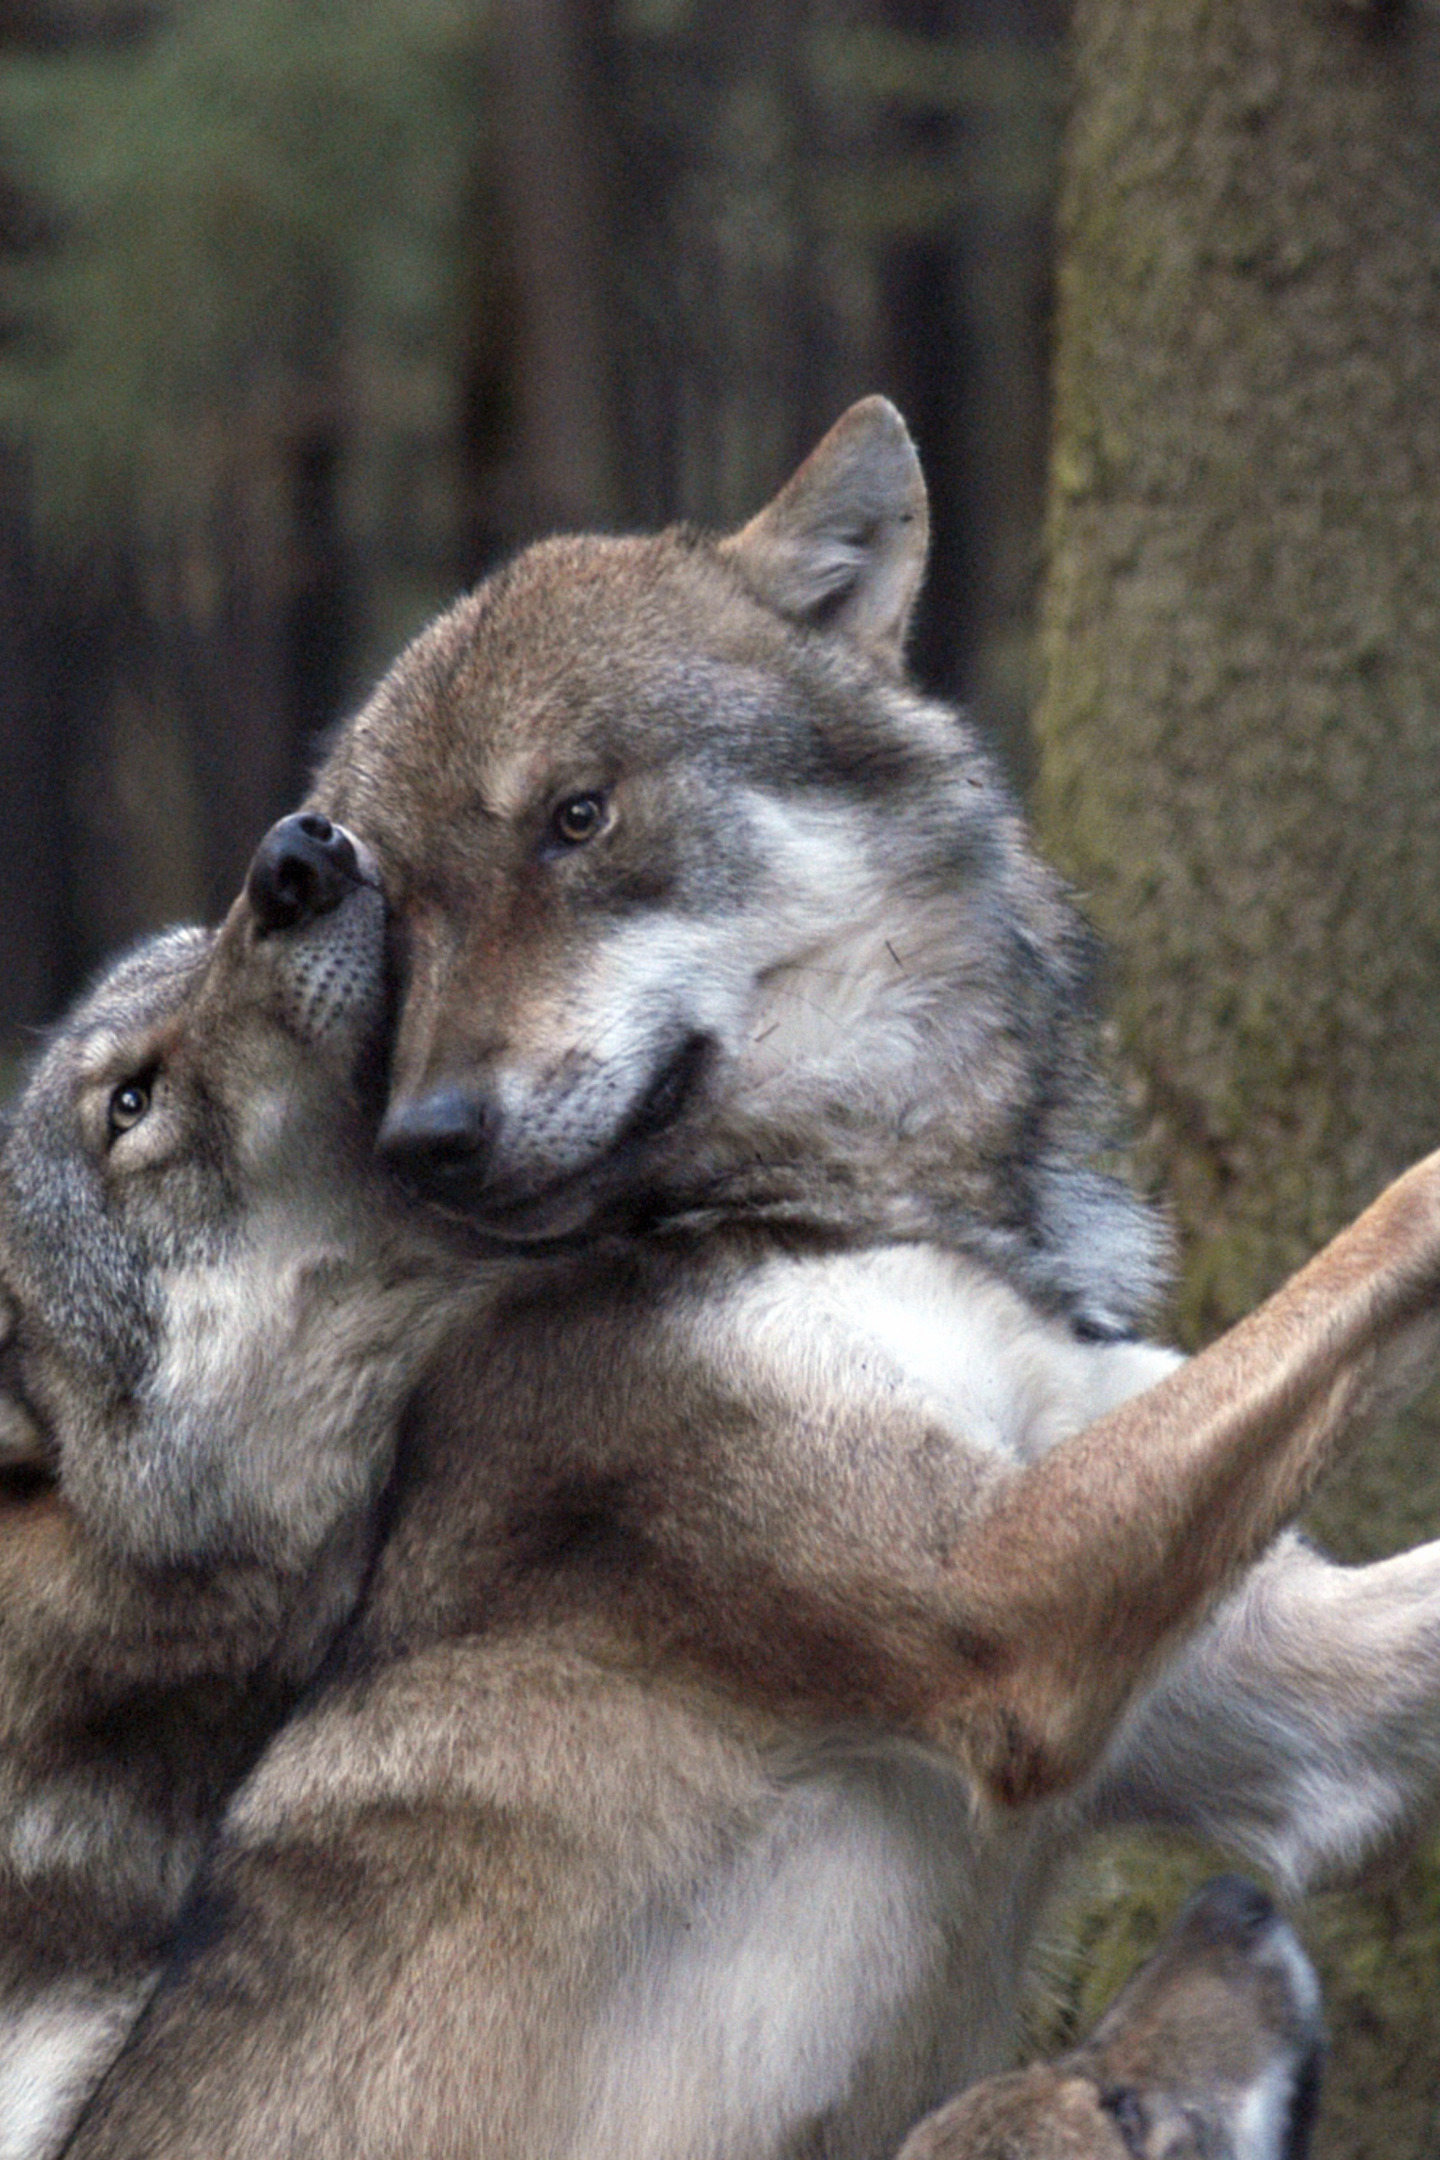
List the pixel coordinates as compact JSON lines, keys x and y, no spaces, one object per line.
{"x":312,"y":310}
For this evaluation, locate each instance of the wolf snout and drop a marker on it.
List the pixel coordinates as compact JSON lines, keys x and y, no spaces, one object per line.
{"x":302,"y":869}
{"x":426,"y":1136}
{"x":1230,"y":1910}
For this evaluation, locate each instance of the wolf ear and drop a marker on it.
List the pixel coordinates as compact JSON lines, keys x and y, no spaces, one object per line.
{"x":843,"y":543}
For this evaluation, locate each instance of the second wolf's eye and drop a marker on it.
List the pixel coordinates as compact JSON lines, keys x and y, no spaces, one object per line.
{"x":128,"y":1105}
{"x":578,"y":819}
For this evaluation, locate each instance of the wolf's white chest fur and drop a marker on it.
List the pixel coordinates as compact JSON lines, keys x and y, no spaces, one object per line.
{"x":913,"y":1323}
{"x":859,"y":1959}
{"x":53,"y":2049}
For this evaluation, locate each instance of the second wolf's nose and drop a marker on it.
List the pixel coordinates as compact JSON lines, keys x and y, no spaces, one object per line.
{"x":433,"y":1133}
{"x":303,"y":867}
{"x":1230,"y":1909}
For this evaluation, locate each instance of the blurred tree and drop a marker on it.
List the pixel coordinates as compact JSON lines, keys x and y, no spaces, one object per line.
{"x":1239,"y":732}
{"x":817,"y":200}
{"x":561,"y":454}
{"x":229,"y":372}
{"x":956,"y":203}
{"x":36,"y":910}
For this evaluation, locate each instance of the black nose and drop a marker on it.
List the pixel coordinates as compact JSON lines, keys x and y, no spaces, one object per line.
{"x":436,"y":1133}
{"x":303,"y":867}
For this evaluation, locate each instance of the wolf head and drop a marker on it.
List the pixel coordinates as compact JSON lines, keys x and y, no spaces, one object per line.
{"x":204,"y":1293}
{"x":707,"y":915}
{"x":1212,"y":2052}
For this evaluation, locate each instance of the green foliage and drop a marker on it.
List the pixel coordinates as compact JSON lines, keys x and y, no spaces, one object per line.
{"x":256,"y":188}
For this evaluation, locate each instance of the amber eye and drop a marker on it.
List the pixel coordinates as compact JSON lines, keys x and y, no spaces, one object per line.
{"x":128,"y":1105}
{"x":578,"y":819}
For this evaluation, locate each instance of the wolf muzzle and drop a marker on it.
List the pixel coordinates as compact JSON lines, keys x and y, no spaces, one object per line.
{"x":457,"y":1145}
{"x":446,"y":1130}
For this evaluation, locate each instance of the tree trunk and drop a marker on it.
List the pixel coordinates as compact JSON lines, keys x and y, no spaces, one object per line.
{"x":1239,"y":729}
{"x":33,"y":903}
{"x":563,"y":476}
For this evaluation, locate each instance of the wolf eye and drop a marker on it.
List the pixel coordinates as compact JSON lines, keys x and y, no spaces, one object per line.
{"x":578,"y":819}
{"x":128,"y":1105}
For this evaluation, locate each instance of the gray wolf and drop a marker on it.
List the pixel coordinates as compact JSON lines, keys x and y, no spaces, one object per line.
{"x":1213,"y":2049}
{"x":207,"y":1330}
{"x":794,"y":1554}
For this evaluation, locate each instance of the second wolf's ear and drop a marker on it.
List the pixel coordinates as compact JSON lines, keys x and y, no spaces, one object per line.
{"x":843,"y":543}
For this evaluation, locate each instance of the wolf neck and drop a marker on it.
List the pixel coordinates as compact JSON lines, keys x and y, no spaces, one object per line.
{"x":923,"y":1074}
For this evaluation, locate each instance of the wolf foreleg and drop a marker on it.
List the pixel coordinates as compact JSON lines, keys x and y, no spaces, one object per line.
{"x":1092,"y":1564}
{"x":1301,"y":1726}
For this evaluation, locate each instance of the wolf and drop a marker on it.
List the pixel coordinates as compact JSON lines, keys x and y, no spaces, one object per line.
{"x":795,"y":1554}
{"x":1213,"y":2049}
{"x":206,"y":1330}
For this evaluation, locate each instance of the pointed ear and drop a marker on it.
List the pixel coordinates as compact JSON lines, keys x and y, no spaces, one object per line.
{"x":843,"y":543}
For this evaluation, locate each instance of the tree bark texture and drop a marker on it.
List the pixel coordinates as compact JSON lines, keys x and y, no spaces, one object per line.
{"x":1239,"y":730}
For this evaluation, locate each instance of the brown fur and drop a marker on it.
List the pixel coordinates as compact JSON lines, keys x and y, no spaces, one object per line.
{"x":792,"y":1557}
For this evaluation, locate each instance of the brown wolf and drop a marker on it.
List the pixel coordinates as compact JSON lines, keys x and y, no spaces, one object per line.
{"x":793,"y":1554}
{"x":208,"y":1326}
{"x":1212,"y":2052}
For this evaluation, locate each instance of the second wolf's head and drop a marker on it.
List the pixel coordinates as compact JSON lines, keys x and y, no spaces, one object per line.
{"x":706,"y":914}
{"x":210,"y":1308}
{"x":1212,"y":2052}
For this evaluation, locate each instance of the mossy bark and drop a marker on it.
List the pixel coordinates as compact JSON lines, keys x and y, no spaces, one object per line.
{"x":1239,"y":737}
